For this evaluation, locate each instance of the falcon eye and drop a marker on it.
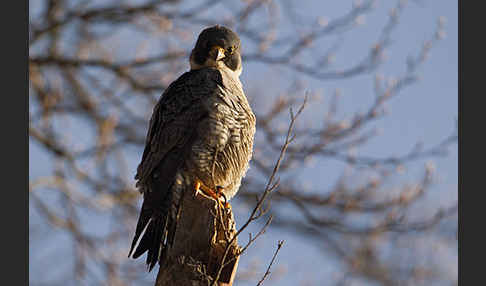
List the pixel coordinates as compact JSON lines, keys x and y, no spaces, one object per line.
{"x":231,"y":50}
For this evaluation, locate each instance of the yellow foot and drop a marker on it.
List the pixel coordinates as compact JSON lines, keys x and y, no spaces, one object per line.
{"x":227,"y":206}
{"x":199,"y":186}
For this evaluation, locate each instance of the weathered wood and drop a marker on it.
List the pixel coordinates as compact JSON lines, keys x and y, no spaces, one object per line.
{"x":201,"y":237}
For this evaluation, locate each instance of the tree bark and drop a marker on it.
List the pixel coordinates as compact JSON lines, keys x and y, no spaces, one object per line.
{"x":201,"y":237}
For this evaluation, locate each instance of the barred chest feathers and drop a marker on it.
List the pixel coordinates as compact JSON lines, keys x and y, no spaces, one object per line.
{"x":226,"y":147}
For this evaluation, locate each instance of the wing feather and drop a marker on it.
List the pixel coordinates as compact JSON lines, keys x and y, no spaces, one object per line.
{"x":175,"y":118}
{"x":172,"y":131}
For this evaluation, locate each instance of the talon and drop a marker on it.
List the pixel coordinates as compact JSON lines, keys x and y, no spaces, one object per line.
{"x":224,"y":197}
{"x":227,"y":206}
{"x":199,"y":186}
{"x":220,"y":193}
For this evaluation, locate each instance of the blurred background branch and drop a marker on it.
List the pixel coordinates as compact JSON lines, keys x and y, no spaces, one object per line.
{"x":96,"y":69}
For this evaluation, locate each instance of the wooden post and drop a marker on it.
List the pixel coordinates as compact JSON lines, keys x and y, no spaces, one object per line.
{"x":199,"y":244}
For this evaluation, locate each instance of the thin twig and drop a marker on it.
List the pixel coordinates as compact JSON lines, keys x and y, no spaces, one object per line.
{"x":280,"y":244}
{"x":271,"y":185}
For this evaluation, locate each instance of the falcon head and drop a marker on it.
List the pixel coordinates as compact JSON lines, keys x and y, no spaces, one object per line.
{"x":218,"y":47}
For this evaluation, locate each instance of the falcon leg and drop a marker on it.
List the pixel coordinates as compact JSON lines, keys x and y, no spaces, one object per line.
{"x":198,"y":185}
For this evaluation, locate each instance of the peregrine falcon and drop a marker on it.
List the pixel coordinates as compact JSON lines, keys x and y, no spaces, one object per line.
{"x":201,"y":127}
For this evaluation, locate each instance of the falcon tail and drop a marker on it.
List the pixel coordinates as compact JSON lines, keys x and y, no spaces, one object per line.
{"x":156,"y":228}
{"x":150,"y":235}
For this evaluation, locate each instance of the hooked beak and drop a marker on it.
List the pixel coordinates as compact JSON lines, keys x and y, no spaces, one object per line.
{"x":217,"y":52}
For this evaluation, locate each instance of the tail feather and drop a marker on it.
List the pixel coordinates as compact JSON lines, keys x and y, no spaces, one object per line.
{"x":143,"y":222}
{"x":149,"y":237}
{"x":154,"y":223}
{"x":145,"y":241}
{"x":156,"y":244}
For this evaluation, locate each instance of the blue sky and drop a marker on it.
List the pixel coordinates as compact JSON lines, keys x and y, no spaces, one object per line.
{"x":426,"y":111}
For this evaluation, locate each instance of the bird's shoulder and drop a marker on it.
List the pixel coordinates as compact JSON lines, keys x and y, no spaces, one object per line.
{"x":188,"y":82}
{"x":189,"y":90}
